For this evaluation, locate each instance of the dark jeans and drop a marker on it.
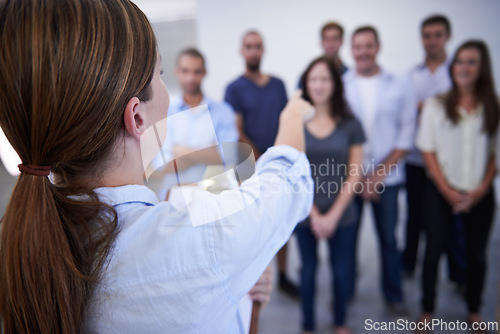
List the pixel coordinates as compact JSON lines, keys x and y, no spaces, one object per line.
{"x":439,"y":222}
{"x":341,"y":247}
{"x":416,"y":181}
{"x":386,"y":217}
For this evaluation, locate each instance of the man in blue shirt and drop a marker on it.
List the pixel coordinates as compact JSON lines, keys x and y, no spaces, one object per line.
{"x":258,"y":100}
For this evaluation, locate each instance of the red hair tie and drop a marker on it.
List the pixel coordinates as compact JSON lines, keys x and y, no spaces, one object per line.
{"x":34,"y":170}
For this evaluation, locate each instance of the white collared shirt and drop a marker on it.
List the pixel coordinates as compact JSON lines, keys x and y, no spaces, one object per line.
{"x":166,"y":276}
{"x":462,"y":149}
{"x":427,"y":84}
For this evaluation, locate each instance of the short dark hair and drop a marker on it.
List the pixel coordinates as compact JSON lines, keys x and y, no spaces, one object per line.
{"x":192,"y":52}
{"x":367,"y":29}
{"x":437,"y":19}
{"x":332,"y":25}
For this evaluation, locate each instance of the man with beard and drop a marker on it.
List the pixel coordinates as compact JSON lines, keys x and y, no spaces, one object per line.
{"x":258,"y":100}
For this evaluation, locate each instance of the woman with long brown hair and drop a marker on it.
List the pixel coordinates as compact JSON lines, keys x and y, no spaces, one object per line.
{"x":334,"y":139}
{"x":457,"y":137}
{"x":85,"y":246}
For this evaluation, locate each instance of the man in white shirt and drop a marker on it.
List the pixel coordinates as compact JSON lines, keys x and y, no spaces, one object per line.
{"x":429,"y":78}
{"x":385,"y":106}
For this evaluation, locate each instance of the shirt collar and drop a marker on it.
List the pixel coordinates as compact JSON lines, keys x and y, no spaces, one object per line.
{"x":422,"y":66}
{"x":132,"y":193}
{"x":180,"y":105}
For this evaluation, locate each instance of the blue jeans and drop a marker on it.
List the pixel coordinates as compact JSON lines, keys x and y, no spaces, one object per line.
{"x":341,"y":247}
{"x":386,"y":217}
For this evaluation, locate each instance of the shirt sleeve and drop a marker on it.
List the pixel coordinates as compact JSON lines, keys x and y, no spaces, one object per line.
{"x":426,"y":139}
{"x":356,"y":133}
{"x":276,"y":198}
{"x":407,"y":116}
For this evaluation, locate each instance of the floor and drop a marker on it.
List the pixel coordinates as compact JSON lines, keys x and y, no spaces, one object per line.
{"x":283,"y":316}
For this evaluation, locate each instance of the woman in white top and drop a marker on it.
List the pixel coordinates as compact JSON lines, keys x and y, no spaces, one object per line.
{"x":91,"y":248}
{"x":457,"y":138}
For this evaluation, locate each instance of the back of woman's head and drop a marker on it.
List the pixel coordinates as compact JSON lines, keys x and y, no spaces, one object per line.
{"x":484,"y":90}
{"x":67,"y":70}
{"x":339,"y":108}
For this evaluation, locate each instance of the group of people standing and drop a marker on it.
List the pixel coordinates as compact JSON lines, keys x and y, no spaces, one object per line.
{"x":432,"y":130}
{"x":85,"y":246}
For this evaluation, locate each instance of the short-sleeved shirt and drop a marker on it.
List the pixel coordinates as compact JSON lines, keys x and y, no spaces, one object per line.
{"x":462,"y":150}
{"x":198,"y":128}
{"x":260,"y":107}
{"x":329,"y":159}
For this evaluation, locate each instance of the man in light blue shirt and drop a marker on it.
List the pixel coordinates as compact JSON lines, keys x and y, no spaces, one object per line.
{"x":190,"y":72}
{"x":386,"y":107}
{"x":195,"y":122}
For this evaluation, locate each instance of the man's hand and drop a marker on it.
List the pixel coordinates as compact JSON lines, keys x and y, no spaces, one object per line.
{"x":370,"y":188}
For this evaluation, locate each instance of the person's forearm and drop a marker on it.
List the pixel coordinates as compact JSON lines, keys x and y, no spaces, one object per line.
{"x":291,"y":130}
{"x":384,"y":168}
{"x":209,"y":156}
{"x":435,"y":172}
{"x":315,"y":210}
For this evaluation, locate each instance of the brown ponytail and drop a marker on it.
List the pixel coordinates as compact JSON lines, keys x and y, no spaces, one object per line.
{"x":67,"y":70}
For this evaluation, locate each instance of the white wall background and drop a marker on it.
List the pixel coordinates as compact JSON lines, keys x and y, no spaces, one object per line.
{"x":291,"y":32}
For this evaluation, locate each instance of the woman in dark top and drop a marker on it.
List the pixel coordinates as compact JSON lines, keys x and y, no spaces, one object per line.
{"x":334,"y":139}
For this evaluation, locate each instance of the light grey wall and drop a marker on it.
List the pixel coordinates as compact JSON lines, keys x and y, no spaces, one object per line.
{"x":172,"y":37}
{"x":291,"y":32}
